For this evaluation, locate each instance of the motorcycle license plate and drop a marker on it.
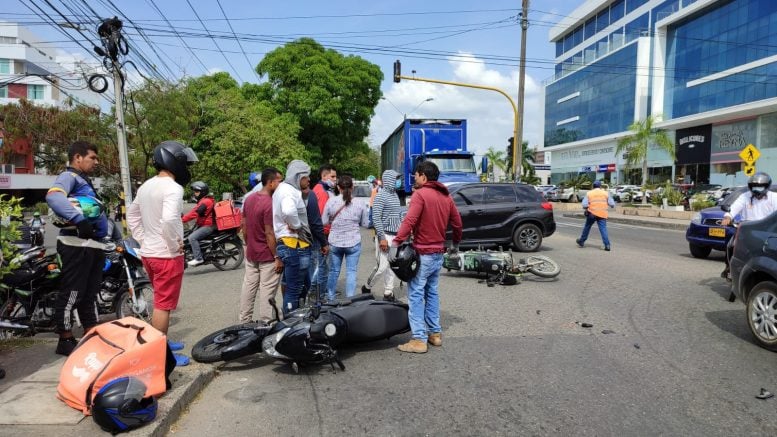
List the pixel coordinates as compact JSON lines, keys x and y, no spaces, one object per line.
{"x":718,"y":232}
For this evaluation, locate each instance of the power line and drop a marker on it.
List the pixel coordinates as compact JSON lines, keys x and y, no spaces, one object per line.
{"x":159,"y":11}
{"x":214,"y":41}
{"x":238,"y":42}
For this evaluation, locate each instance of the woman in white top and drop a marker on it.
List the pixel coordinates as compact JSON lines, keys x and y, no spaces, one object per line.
{"x":346,"y":216}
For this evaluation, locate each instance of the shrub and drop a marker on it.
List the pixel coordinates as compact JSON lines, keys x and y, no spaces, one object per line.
{"x":700,"y":201}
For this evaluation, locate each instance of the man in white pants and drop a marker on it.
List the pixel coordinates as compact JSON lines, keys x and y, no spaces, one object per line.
{"x":386,"y":217}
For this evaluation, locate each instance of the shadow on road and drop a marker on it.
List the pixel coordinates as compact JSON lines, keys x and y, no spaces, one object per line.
{"x":731,"y":321}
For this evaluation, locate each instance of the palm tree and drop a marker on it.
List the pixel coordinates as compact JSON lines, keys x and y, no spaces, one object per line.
{"x":496,"y":158}
{"x":527,"y":162}
{"x":636,"y":146}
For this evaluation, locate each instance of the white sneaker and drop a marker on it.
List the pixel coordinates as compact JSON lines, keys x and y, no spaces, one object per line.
{"x":195,"y":262}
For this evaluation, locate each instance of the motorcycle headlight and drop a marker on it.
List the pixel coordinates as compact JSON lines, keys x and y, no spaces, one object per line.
{"x":269,"y":342}
{"x":696,"y":219}
{"x":330,"y":330}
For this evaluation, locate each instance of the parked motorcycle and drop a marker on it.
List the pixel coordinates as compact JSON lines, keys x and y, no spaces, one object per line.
{"x":499,"y":266}
{"x":125,"y":289}
{"x":31,"y":290}
{"x":223,"y":249}
{"x":308,"y":335}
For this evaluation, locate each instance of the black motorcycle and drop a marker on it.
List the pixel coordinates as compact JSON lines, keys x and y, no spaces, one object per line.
{"x":125,"y":289}
{"x":308,"y":335}
{"x":31,"y":290}
{"x":223,"y":249}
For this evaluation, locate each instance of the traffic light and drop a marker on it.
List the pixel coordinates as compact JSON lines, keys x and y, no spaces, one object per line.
{"x":510,"y":146}
{"x":397,"y":71}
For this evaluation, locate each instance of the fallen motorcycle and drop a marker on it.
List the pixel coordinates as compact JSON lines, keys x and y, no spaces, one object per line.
{"x":499,"y":266}
{"x":308,"y":335}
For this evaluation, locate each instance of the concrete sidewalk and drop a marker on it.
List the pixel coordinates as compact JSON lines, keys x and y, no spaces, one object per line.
{"x":653,"y":222}
{"x":30,"y":406}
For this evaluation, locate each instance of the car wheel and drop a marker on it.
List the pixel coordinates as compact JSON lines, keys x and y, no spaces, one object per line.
{"x":699,"y":251}
{"x":527,"y":237}
{"x":762,"y":314}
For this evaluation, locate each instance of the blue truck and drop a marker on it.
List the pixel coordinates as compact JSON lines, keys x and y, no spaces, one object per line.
{"x":443,"y":142}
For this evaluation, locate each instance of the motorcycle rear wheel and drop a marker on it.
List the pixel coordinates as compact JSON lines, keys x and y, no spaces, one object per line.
{"x":14,"y":311}
{"x":209,"y":349}
{"x":544,"y":267}
{"x":144,"y":295}
{"x":228,"y":255}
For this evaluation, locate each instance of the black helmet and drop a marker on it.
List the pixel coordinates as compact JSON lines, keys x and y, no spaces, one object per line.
{"x":175,"y":158}
{"x":200,"y":186}
{"x":759,"y":184}
{"x":120,"y":406}
{"x":406,"y":264}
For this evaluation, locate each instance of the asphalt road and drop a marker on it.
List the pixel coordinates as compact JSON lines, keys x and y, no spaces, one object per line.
{"x":515,"y":360}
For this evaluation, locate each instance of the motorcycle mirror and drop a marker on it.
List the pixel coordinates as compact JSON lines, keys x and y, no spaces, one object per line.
{"x":330,"y":330}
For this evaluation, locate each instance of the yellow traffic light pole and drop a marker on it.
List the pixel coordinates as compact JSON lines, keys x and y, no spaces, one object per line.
{"x":517,"y":148}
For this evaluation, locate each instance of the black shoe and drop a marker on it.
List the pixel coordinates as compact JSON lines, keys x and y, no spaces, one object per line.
{"x":579,"y":243}
{"x":724,"y":273}
{"x":607,"y":248}
{"x":366,"y":290}
{"x":65,"y":346}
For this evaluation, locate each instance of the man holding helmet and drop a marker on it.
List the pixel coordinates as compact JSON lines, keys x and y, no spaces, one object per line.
{"x":203,"y":214}
{"x":430,"y":213}
{"x":154,"y":218}
{"x":79,"y":213}
{"x":755,"y":204}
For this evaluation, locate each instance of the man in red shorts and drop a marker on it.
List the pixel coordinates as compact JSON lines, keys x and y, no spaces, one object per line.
{"x":154,"y":218}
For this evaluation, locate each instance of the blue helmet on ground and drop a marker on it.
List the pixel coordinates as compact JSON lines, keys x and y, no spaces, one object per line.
{"x":120,"y":406}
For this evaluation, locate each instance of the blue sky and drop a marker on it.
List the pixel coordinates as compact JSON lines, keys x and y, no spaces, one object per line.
{"x":453,"y":40}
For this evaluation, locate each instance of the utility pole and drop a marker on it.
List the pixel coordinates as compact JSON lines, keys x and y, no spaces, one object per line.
{"x":114,"y":45}
{"x":518,"y":148}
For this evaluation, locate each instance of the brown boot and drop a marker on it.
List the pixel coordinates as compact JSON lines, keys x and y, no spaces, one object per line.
{"x":413,"y":346}
{"x":435,"y":339}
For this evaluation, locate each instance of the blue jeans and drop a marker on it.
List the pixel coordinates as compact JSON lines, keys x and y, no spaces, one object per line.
{"x":602,"y":223}
{"x":195,"y":237}
{"x":317,"y":277}
{"x":295,"y":270}
{"x":423,"y":298}
{"x":336,"y":255}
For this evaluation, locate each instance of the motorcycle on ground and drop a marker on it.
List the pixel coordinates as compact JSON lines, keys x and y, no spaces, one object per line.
{"x":499,"y":266}
{"x":222,"y":248}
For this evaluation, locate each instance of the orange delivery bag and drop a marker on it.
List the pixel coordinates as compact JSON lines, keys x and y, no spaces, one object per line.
{"x":123,"y":347}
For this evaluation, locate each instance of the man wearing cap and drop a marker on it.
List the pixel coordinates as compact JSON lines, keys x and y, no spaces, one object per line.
{"x":595,"y":205}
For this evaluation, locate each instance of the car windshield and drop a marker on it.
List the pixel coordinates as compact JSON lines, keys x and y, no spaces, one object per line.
{"x":362,"y":191}
{"x":454,"y":163}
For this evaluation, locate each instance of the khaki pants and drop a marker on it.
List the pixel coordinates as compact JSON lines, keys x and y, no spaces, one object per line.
{"x":259,"y":277}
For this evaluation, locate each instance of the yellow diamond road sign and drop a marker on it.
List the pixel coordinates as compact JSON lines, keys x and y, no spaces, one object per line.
{"x":750,"y":154}
{"x":749,"y":170}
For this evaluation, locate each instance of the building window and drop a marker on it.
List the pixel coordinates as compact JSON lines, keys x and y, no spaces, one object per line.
{"x":3,"y":92}
{"x":5,"y":66}
{"x":34,"y":92}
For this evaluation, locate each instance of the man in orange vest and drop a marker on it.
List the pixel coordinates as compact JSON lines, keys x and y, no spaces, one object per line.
{"x":595,"y":204}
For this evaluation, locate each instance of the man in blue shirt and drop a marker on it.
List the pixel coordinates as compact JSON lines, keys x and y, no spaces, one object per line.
{"x":81,"y":266}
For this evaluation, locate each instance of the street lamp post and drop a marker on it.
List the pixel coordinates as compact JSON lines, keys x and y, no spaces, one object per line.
{"x":404,"y":115}
{"x":428,"y":99}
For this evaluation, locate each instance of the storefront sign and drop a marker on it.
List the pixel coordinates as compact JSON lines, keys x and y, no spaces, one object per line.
{"x":606,"y":168}
{"x":729,"y":139}
{"x":693,"y":145}
{"x":5,"y":181}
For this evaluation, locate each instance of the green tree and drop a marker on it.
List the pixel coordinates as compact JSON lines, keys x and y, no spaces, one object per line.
{"x":527,"y":163}
{"x":9,"y":207}
{"x":332,"y":96}
{"x":238,"y":135}
{"x":635,"y":146}
{"x":496,"y":159}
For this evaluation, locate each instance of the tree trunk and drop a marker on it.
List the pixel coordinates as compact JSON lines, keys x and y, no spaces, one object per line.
{"x":644,"y":180}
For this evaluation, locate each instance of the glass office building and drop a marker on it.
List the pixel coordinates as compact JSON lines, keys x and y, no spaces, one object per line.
{"x":706,"y":69}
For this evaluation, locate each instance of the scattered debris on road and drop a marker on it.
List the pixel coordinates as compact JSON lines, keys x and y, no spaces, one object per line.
{"x":608,"y":331}
{"x":765,"y":394}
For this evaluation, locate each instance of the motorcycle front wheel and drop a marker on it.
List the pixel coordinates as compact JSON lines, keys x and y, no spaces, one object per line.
{"x":15,"y":312}
{"x":144,"y":295}
{"x":228,"y":255}
{"x":210,"y":348}
{"x":543,"y":266}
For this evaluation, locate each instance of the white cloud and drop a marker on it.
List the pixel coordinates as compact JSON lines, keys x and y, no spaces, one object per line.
{"x":488,"y":113}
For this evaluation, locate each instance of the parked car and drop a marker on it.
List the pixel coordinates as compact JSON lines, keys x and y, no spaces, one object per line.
{"x":705,"y":232}
{"x":625,"y":194}
{"x":362,"y":190}
{"x":754,"y":277}
{"x":545,"y":190}
{"x":570,"y":195}
{"x":505,"y":214}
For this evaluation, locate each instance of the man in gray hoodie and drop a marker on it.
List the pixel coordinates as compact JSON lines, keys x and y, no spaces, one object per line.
{"x":386,"y":217}
{"x":292,"y":231}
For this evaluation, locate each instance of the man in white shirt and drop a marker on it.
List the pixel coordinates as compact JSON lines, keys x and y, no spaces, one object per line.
{"x":154,"y":218}
{"x":756,"y":204}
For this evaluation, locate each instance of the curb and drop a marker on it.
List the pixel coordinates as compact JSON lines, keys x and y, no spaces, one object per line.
{"x":186,"y":386}
{"x":629,"y":221}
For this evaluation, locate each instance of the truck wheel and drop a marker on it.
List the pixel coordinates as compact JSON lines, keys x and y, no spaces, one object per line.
{"x":527,"y":237}
{"x":700,"y":252}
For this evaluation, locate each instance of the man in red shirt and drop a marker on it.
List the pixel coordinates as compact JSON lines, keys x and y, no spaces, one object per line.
{"x":430,"y":213}
{"x":263,"y":265}
{"x":203,"y":214}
